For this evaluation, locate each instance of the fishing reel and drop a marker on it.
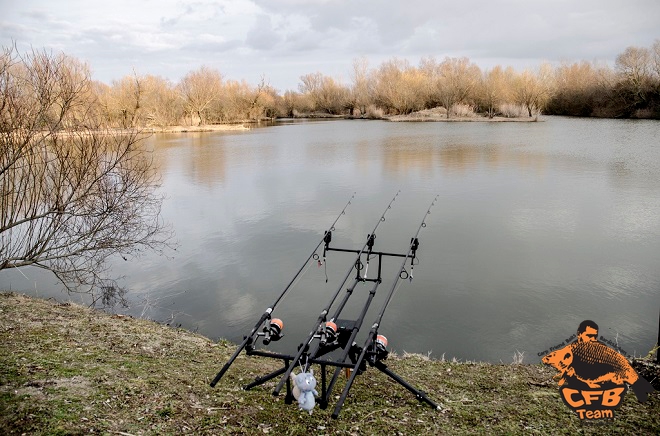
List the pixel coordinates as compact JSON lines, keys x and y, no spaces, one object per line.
{"x":380,"y":346}
{"x":328,"y":333}
{"x":272,"y":331}
{"x":376,"y":352}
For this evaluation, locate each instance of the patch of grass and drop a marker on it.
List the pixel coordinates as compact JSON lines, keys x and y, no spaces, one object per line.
{"x":66,"y":369}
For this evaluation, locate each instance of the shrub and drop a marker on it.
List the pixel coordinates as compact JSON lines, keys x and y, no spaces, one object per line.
{"x":374,"y":112}
{"x":510,"y":110}
{"x":462,"y":110}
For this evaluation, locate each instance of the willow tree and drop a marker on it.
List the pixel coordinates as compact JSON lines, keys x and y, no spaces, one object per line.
{"x":200,"y":89}
{"x":71,"y":194}
{"x":453,"y":81}
{"x":399,"y":87}
{"x":140,"y":101}
{"x":360,"y":95}
{"x":533,"y":89}
{"x":325,"y":93}
{"x":492,"y":89}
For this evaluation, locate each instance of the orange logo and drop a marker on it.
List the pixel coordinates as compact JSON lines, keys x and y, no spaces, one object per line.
{"x":592,"y":377}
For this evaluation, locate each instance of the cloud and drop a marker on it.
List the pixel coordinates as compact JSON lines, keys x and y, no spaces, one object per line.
{"x":208,"y":44}
{"x":169,"y":37}
{"x":262,"y":36}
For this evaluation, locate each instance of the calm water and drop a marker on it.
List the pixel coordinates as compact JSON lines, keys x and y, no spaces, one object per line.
{"x":537,"y":227}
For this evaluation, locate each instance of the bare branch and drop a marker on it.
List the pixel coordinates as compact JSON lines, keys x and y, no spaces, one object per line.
{"x":72,"y":194}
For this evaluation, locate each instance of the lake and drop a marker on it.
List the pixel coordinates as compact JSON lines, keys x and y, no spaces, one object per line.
{"x":537,"y":227}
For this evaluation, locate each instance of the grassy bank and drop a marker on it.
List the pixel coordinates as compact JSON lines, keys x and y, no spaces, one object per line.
{"x":66,"y":369}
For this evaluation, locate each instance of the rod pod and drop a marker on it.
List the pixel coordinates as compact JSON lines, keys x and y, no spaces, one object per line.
{"x":322,"y":317}
{"x":266,"y":315}
{"x":372,"y":337}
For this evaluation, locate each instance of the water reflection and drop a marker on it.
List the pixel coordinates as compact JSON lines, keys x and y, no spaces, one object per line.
{"x":538,"y":227}
{"x":456,"y":159}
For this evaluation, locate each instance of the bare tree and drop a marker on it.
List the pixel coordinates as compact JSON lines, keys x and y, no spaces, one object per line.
{"x":71,"y":195}
{"x":361,"y":89}
{"x":326,"y":93}
{"x":655,"y":67}
{"x":199,"y":90}
{"x":533,"y":89}
{"x":457,"y":80}
{"x":293,"y":103}
{"x":242,"y":102}
{"x":634,"y":67}
{"x":162,"y":105}
{"x":124,"y":100}
{"x":492,"y":90}
{"x":577,"y":88}
{"x":399,"y":87}
{"x":655,"y":59}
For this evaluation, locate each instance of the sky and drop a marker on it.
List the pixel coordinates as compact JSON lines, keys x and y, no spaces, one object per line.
{"x":282,"y":40}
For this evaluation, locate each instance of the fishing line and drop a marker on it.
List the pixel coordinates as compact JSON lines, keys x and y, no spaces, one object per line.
{"x":249,"y":339}
{"x":372,"y":337}
{"x":323,"y":262}
{"x":398,"y":285}
{"x":297,"y":279}
{"x":324,"y":312}
{"x":412,"y":253}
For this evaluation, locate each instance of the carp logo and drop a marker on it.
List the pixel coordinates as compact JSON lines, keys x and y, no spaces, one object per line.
{"x":592,"y":377}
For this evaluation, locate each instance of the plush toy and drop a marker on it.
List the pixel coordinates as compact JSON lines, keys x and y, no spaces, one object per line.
{"x":303,"y":389}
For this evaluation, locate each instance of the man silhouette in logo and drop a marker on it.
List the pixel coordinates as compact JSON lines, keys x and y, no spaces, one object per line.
{"x":587,"y":331}
{"x":589,"y":364}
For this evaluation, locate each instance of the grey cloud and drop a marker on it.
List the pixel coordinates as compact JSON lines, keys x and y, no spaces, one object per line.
{"x":303,"y":36}
{"x":392,"y":20}
{"x":14,"y":31}
{"x":303,"y":41}
{"x":173,"y":21}
{"x":192,"y":12}
{"x":262,"y":36}
{"x":206,"y":47}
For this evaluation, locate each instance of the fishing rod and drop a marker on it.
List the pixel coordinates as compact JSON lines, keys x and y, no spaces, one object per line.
{"x":273,"y":331}
{"x":412,"y":252}
{"x":375,"y":344}
{"x":303,"y":348}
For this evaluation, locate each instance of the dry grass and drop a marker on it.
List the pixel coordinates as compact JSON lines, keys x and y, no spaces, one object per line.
{"x":202,"y":128}
{"x":463,"y":110}
{"x":510,"y":110}
{"x":66,"y":369}
{"x":460,"y":113}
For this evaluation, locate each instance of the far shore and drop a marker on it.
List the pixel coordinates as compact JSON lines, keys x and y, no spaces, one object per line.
{"x":201,"y":128}
{"x":474,"y":119}
{"x":440,"y":114}
{"x":422,"y":116}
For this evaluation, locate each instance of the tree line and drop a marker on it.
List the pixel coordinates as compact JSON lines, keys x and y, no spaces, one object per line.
{"x":631,"y":89}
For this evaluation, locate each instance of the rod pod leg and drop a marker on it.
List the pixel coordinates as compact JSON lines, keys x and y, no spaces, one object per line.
{"x":350,"y":381}
{"x":420,"y":395}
